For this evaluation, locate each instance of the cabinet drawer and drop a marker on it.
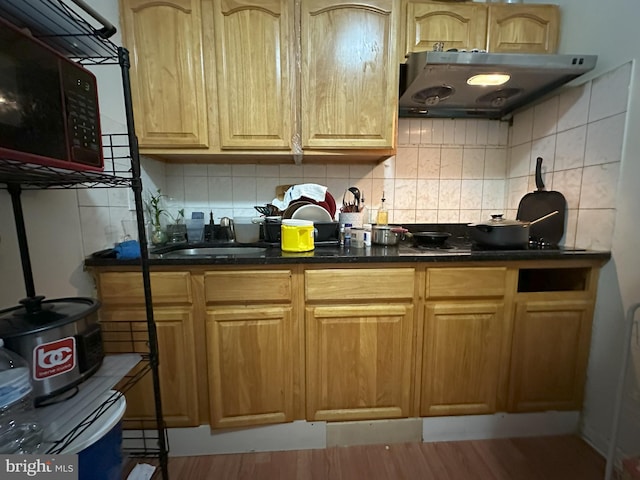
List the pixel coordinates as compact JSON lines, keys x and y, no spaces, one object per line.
{"x":265,"y":286}
{"x":126,"y":287}
{"x":466,"y":282}
{"x":360,"y":284}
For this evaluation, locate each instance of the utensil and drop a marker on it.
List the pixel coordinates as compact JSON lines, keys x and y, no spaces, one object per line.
{"x":540,"y":202}
{"x":422,"y":239}
{"x":352,"y":206}
{"x":387,"y":235}
{"x":504,"y":233}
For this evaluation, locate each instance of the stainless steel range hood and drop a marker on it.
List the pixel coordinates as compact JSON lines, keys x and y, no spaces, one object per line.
{"x":434,"y":84}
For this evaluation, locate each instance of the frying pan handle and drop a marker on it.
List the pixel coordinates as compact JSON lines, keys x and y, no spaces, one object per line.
{"x":539,"y":182}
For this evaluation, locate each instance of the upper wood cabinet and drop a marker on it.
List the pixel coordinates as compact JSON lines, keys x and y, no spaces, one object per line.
{"x":167,"y":78}
{"x":349,"y":74}
{"x":526,"y":28}
{"x":498,"y":28}
{"x":254,"y":49}
{"x":457,"y":25}
{"x":257,"y":80}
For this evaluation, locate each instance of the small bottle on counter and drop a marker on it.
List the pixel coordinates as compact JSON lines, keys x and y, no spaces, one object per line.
{"x":367,"y":235}
{"x":341,"y":236}
{"x":347,"y":234}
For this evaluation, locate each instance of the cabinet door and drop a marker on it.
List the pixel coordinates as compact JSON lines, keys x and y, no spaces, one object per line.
{"x":349,"y":74}
{"x":253,"y":41}
{"x":250,"y":361}
{"x":462,"y":358}
{"x":458,"y":26}
{"x":359,"y":361}
{"x":549,"y":355}
{"x":125,"y":330}
{"x":523,"y":28}
{"x":167,"y":80}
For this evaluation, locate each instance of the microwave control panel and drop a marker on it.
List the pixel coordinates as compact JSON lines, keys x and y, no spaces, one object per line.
{"x":83,"y":121}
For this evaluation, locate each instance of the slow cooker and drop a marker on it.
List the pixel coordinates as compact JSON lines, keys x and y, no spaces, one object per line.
{"x":60,"y":339}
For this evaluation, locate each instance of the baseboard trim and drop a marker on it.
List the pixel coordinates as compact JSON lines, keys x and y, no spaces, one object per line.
{"x":499,"y":425}
{"x":302,"y":435}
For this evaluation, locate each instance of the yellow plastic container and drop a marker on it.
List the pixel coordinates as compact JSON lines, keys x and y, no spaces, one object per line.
{"x":296,"y":236}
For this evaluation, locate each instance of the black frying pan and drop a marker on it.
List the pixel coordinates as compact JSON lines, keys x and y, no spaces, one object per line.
{"x":541,"y":202}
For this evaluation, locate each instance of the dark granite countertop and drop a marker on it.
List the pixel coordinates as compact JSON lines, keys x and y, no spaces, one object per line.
{"x":272,"y":255}
{"x":458,"y":248}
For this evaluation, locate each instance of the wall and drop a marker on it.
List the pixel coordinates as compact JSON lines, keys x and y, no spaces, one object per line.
{"x":609,"y":29}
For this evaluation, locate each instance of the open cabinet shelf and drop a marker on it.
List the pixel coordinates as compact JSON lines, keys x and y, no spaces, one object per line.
{"x":78,"y":32}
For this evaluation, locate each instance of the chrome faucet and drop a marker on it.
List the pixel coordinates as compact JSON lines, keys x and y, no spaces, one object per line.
{"x":227,"y":231}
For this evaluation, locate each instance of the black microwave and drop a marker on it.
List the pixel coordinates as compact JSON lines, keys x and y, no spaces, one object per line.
{"x":48,"y":105}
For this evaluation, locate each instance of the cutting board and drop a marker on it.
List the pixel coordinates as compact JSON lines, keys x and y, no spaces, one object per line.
{"x":537,"y":204}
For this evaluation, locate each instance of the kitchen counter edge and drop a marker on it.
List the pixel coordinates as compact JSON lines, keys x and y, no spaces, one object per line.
{"x":274,"y":256}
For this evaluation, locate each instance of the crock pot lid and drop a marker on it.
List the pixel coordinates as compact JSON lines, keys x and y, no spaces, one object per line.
{"x":15,"y":321}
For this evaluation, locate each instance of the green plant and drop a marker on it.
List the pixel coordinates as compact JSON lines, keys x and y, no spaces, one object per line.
{"x":178,"y":218}
{"x":154,"y":207}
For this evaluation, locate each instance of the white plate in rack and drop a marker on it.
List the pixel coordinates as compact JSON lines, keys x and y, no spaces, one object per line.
{"x":314,"y":213}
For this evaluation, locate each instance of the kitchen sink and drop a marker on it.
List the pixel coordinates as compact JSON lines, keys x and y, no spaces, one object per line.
{"x":211,"y":252}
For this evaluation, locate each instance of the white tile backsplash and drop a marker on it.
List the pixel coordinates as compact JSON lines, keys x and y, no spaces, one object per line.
{"x":471,"y":194}
{"x":595,"y":227}
{"x":604,"y":140}
{"x":569,"y":183}
{"x":573,"y":107}
{"x":405,"y":194}
{"x":570,"y":146}
{"x":451,"y":162}
{"x":610,"y":93}
{"x":429,"y":162}
{"x":599,"y":186}
{"x":449,"y":195}
{"x":590,"y":126}
{"x":545,"y":117}
{"x":473,"y":162}
{"x":522,"y":129}
{"x":520,"y":164}
{"x":546,"y":148}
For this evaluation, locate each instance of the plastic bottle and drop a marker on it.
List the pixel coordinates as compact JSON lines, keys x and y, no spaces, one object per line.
{"x":383,"y":215}
{"x":20,"y":431}
{"x":347,"y":234}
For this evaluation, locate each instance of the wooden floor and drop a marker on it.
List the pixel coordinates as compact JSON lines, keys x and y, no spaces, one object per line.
{"x":540,"y":458}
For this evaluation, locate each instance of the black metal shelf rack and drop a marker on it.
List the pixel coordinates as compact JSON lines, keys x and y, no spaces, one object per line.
{"x":80,"y":33}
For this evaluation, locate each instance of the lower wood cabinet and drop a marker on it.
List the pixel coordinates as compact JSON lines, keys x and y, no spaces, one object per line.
{"x":549,"y":354}
{"x":462,"y":357}
{"x":253,"y":347}
{"x":177,"y":362}
{"x":359,"y":360}
{"x":124,"y":325}
{"x":250,"y":365}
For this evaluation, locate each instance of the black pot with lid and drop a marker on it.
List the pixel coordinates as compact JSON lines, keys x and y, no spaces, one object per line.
{"x":60,"y":339}
{"x":499,"y":232}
